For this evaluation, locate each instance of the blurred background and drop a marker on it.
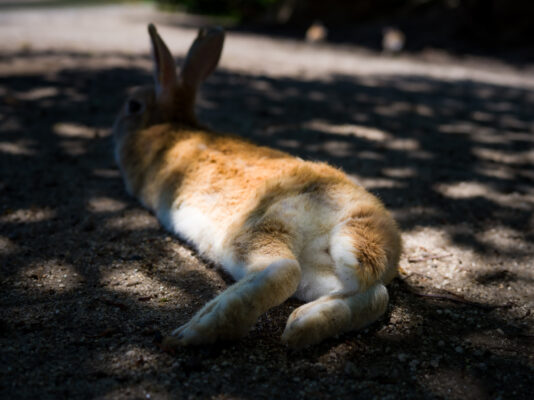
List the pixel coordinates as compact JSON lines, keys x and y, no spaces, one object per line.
{"x":498,"y":27}
{"x":459,"y":25}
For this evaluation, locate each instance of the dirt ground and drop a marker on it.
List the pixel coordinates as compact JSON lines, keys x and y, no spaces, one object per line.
{"x":90,"y":281}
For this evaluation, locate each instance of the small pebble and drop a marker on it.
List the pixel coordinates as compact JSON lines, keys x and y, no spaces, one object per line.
{"x":130,"y":353}
{"x":402,"y":357}
{"x":459,"y":349}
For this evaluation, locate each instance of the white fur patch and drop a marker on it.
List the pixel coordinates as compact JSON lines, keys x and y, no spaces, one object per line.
{"x":318,"y":277}
{"x":312,"y":285}
{"x":345,"y":261}
{"x":198,"y":227}
{"x":328,"y":267}
{"x":342,"y":251}
{"x":193,"y":225}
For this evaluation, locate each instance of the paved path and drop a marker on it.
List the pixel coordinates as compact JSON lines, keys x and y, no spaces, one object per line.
{"x":120,"y":28}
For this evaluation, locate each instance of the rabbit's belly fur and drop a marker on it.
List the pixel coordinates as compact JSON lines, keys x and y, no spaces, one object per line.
{"x":326,"y":256}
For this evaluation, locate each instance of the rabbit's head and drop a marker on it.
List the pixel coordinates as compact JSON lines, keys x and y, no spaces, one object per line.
{"x":171,"y":99}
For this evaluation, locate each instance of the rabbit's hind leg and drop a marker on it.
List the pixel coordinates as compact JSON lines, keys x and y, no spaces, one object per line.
{"x":231,"y":314}
{"x":334,"y":314}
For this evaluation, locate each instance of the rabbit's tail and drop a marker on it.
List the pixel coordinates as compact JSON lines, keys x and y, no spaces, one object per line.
{"x":368,"y":246}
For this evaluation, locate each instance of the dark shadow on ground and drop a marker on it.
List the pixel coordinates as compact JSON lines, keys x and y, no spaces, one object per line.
{"x":64,"y":211}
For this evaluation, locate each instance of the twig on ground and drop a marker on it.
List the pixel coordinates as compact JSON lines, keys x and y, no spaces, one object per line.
{"x":455,"y":298}
{"x":428,"y":257}
{"x":404,"y":276}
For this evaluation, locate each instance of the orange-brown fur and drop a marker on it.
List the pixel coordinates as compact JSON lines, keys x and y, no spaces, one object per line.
{"x":172,"y":161}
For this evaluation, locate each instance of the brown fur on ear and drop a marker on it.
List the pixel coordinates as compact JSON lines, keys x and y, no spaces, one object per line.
{"x":203,"y":57}
{"x":176,"y":100}
{"x":164,"y":67}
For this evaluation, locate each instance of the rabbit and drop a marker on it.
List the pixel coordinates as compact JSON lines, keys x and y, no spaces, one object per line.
{"x":279,"y":225}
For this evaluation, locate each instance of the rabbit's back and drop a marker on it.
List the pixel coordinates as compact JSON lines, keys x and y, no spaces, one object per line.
{"x":229,"y":197}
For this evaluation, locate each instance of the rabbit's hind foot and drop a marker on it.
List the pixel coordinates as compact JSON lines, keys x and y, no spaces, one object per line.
{"x":334,"y":314}
{"x":231,"y":314}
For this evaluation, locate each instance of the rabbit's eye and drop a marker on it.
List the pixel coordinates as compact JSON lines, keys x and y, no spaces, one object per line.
{"x":134,"y":107}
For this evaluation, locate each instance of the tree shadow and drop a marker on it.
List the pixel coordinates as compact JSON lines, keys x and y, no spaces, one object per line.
{"x":77,"y":322}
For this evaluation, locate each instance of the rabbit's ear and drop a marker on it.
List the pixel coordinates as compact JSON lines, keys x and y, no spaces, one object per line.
{"x":164,"y":66}
{"x":202,"y":57}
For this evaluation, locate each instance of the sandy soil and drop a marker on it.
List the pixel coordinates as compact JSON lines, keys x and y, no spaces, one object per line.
{"x":89,"y":280}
